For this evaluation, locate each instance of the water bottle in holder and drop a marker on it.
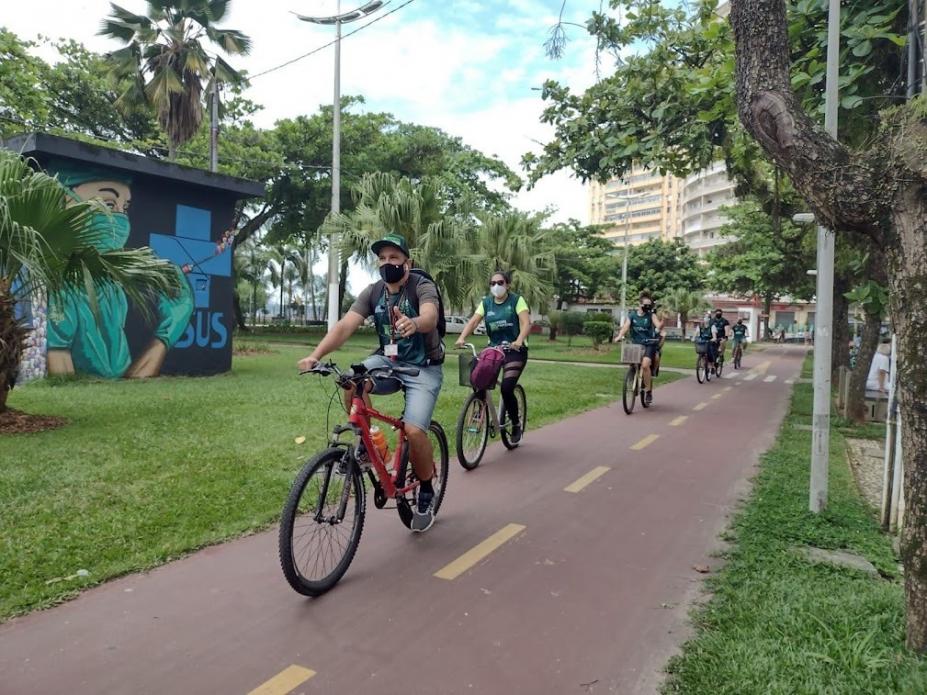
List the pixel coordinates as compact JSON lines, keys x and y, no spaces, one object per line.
{"x":379,"y":441}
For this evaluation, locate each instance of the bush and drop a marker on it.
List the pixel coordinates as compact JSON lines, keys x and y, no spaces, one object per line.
{"x":599,"y":331}
{"x":571,"y":323}
{"x":600,"y":316}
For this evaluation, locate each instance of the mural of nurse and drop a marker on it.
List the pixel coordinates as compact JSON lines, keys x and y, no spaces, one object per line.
{"x":80,"y":341}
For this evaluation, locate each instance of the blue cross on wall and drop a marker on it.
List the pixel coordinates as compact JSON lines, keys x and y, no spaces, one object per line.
{"x":192,"y":245}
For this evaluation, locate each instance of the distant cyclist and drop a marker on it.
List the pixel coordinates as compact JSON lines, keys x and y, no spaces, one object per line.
{"x":643,"y":325}
{"x":508,"y":320}
{"x":739,"y":335}
{"x":708,"y":333}
{"x":723,"y":328}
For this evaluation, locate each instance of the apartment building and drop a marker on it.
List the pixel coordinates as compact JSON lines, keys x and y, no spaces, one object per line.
{"x":642,"y":206}
{"x":701,"y":197}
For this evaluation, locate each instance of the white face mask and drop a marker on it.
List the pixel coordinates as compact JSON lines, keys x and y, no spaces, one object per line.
{"x":497,"y":290}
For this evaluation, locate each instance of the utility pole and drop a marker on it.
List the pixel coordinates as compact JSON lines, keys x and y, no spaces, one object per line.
{"x":823,"y":338}
{"x":214,"y":124}
{"x":338,"y":19}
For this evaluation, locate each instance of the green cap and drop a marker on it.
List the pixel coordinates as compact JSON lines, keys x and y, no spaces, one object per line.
{"x":392,"y":239}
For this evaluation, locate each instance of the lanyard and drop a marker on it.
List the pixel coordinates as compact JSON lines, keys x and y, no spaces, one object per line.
{"x":390,"y":307}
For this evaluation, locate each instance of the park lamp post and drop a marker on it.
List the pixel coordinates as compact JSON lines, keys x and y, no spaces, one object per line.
{"x":624,"y":264}
{"x":338,"y":19}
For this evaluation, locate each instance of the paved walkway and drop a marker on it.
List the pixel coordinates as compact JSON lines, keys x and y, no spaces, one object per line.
{"x":598,"y":528}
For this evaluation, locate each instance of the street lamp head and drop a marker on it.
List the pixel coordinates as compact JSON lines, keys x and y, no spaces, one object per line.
{"x":345,"y":17}
{"x":803,"y":218}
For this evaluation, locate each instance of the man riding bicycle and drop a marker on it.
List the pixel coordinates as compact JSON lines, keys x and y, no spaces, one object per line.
{"x":708,"y":333}
{"x":723,"y":328}
{"x":644,"y":325}
{"x":739,"y":335}
{"x":508,"y":320}
{"x":405,"y":312}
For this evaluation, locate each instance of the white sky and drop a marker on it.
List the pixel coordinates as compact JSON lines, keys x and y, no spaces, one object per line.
{"x":465,"y":66}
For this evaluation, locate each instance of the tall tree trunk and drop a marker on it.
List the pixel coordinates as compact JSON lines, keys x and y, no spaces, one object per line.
{"x":683,"y":318}
{"x":856,"y":397}
{"x":342,"y":283}
{"x":767,"y":310}
{"x":881,"y":193}
{"x":254,"y":303}
{"x":840,"y":350}
{"x":239,"y":316}
{"x":12,"y":343}
{"x":310,"y":278}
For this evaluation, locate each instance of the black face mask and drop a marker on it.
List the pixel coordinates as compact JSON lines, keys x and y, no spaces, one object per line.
{"x":392,"y":273}
{"x":646,"y":308}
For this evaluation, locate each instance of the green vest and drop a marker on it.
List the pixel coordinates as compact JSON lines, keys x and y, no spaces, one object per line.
{"x":501,"y":319}
{"x":641,"y":327}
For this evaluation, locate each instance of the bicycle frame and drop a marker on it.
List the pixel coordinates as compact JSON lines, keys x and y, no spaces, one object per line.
{"x":359,"y":419}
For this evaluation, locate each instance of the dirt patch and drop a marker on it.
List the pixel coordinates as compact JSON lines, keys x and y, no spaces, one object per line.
{"x":18,"y":422}
{"x":251,"y":350}
{"x":866,"y":462}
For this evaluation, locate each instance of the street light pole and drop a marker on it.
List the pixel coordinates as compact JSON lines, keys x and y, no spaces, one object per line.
{"x":624,"y":263}
{"x":333,"y":284}
{"x":824,"y":319}
{"x":333,"y":261}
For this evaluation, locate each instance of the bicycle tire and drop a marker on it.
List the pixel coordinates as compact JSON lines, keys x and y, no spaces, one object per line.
{"x":439,"y":480}
{"x":700,"y":368}
{"x":465,"y":423}
{"x":629,"y":390}
{"x":522,"y":416}
{"x":325,"y":463}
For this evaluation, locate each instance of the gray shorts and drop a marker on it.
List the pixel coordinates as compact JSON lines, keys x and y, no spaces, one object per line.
{"x":421,"y":391}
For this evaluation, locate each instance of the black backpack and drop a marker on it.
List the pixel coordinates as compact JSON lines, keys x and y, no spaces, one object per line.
{"x":416,"y":275}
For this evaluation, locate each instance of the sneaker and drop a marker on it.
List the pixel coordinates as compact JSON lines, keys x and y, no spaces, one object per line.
{"x":516,"y":433}
{"x":423,"y":516}
{"x":649,"y":397}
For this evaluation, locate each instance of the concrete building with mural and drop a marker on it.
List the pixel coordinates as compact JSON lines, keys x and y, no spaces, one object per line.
{"x":185,"y":216}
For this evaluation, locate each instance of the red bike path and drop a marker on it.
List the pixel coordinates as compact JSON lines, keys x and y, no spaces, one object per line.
{"x":590,"y":596}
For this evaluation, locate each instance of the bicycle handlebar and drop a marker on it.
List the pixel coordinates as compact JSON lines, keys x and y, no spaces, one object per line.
{"x":504,"y":346}
{"x":358,"y":371}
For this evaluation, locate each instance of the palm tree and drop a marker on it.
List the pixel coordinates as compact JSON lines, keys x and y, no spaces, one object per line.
{"x":251,"y":263}
{"x":47,"y":246}
{"x":387,"y":203}
{"x":164,"y":64}
{"x":684,"y":302}
{"x":511,"y":242}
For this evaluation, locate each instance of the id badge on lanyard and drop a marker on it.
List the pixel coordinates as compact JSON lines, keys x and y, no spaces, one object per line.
{"x":391,"y":349}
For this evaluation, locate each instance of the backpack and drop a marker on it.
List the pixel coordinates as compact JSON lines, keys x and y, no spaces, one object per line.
{"x":486,"y":370}
{"x":416,"y":275}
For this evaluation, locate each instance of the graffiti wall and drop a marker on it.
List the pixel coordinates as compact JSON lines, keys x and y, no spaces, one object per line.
{"x":148,"y":204}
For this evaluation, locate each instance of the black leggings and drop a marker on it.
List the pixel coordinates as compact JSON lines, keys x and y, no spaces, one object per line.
{"x":514,"y":365}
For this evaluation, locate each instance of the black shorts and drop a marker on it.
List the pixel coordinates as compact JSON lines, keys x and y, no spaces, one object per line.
{"x":651,"y":351}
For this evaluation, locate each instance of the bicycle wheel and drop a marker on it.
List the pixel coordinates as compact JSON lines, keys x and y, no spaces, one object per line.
{"x":438,"y":481}
{"x":522,"y":417}
{"x":700,"y":368}
{"x":719,"y":366}
{"x":629,"y":389}
{"x":322,"y":522}
{"x":472,"y":432}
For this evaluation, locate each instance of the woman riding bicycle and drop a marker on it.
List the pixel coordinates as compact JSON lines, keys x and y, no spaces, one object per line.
{"x":644,"y":325}
{"x":508,"y":320}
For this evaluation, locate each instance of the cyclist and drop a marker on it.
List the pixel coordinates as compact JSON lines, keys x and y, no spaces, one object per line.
{"x":708,"y":333}
{"x":644,"y":325}
{"x":723,"y":327}
{"x":739,"y":335}
{"x":508,"y":320}
{"x":406,"y":318}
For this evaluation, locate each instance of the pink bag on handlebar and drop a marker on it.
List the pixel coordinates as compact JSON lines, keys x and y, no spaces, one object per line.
{"x":486,"y":370}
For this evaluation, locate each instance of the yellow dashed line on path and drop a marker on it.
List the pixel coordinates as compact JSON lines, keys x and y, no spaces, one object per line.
{"x":678,"y":421}
{"x":645,"y":442}
{"x":477,"y":553}
{"x":717,"y":396}
{"x":594,"y":474}
{"x":701,"y":406}
{"x":285,"y":681}
{"x":728,"y":388}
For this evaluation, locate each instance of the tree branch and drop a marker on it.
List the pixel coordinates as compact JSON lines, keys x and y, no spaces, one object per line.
{"x":845,"y":190}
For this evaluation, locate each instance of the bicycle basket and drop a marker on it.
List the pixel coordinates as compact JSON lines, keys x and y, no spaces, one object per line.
{"x":701,"y":347}
{"x":464,"y":367}
{"x":631,"y":353}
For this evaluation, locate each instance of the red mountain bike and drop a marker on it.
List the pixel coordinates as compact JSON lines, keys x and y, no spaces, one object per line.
{"x":323,"y":517}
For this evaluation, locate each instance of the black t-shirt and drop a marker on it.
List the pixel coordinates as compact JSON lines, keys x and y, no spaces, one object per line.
{"x":721,"y":324}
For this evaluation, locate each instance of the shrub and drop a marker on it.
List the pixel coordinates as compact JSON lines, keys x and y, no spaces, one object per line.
{"x":599,"y":331}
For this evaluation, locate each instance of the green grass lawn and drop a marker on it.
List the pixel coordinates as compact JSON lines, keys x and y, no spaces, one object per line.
{"x":577,"y":349}
{"x":149,"y":470}
{"x":778,"y":624}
